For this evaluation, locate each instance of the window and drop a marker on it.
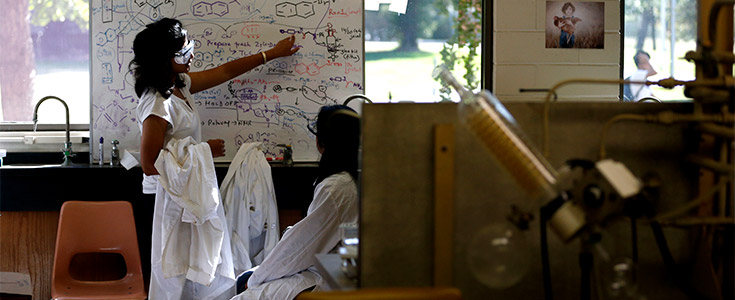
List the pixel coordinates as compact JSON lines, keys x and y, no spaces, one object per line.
{"x":665,"y":30}
{"x":45,"y":52}
{"x":403,"y":44}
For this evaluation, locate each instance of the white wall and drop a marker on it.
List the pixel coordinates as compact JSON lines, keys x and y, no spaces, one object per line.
{"x":523,"y":61}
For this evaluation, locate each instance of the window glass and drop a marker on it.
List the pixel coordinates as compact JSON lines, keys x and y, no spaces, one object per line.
{"x":45,"y":52}
{"x":403,"y":47}
{"x":664,"y":30}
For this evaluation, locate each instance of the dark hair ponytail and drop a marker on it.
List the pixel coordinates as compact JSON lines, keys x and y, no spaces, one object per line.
{"x":154,"y":47}
{"x":338,"y":133}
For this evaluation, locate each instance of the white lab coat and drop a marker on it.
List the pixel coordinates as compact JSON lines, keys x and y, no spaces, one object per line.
{"x":289,"y":268}
{"x":190,"y":253}
{"x":183,"y":121}
{"x":250,"y":207}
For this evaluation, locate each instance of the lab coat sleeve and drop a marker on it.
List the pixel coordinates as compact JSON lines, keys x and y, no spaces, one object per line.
{"x":333,"y":204}
{"x":152,"y":104}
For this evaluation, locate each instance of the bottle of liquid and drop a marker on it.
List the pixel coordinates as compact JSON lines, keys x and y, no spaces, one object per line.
{"x":287,"y":154}
{"x":102,"y":151}
{"x":115,"y":154}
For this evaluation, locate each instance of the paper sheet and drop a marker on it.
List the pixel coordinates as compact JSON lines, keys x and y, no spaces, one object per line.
{"x":15,"y":283}
{"x":398,"y":6}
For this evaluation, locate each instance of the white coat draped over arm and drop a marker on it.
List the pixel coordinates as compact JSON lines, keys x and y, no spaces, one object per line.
{"x":193,"y":231}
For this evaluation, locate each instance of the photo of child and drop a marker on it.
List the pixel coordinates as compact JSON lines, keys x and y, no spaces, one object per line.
{"x":580,"y":25}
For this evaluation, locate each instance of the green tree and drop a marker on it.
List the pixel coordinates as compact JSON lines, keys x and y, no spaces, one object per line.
{"x":468,"y":35}
{"x":686,"y":10}
{"x":45,"y":11}
{"x":646,"y":10}
{"x":419,"y":21}
{"x":16,"y":62}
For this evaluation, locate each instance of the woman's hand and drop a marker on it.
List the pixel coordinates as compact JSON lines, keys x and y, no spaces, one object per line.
{"x":217,"y":146}
{"x":283,"y":48}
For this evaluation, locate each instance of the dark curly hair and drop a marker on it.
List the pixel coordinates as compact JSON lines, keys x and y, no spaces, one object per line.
{"x":338,"y":133}
{"x":154,"y":47}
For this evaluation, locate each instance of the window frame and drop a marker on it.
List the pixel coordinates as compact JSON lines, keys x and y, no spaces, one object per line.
{"x":487,"y":49}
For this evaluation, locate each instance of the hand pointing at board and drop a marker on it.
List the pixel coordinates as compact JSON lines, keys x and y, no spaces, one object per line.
{"x":284,"y":47}
{"x":210,"y":78}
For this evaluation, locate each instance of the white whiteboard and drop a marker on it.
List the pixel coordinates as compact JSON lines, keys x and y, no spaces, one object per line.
{"x":271,"y":104}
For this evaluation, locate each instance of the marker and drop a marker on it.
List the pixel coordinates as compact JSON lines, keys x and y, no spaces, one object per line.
{"x":102,"y":151}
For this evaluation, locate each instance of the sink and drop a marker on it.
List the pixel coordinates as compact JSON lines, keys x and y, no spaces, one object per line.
{"x":42,"y":166}
{"x":33,"y":160}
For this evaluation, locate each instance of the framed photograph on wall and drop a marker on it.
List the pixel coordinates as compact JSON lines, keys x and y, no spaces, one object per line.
{"x":572,"y":24}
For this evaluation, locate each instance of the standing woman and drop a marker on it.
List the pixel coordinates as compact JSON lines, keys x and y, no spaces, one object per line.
{"x":164,"y":86}
{"x":290,"y":267}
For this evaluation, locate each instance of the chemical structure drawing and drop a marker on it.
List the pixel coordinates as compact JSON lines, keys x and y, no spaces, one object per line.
{"x":270,"y":142}
{"x":107,"y":77}
{"x":332,"y":42}
{"x":121,"y":52}
{"x":219,"y":8}
{"x":156,"y":8}
{"x":114,"y":117}
{"x":318,"y":95}
{"x":288,"y":9}
{"x":246,"y":94}
{"x":248,"y":137}
{"x":206,"y":57}
{"x":106,"y":11}
{"x":103,"y":38}
{"x":138,"y":13}
{"x":104,"y":54}
{"x":314,"y":69}
{"x":154,"y":3}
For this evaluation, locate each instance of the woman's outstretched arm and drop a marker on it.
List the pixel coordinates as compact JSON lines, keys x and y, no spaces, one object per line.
{"x":210,"y":78}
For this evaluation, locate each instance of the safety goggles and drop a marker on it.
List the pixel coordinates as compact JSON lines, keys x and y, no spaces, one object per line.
{"x":182,"y":56}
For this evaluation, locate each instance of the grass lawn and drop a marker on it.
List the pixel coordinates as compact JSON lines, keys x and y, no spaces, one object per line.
{"x":406,"y":76}
{"x":402,"y":75}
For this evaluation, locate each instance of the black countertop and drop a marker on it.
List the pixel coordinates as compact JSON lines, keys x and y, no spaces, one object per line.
{"x":47,"y":187}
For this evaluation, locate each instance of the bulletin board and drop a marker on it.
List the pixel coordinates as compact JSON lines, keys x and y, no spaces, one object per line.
{"x":272,"y":103}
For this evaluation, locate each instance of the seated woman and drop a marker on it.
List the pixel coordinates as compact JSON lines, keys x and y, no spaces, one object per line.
{"x":289,"y":269}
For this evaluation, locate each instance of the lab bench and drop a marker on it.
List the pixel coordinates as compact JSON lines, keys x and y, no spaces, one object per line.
{"x":31,"y":197}
{"x":45,"y":187}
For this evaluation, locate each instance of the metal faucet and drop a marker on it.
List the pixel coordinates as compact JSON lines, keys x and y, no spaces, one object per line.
{"x":67,"y":145}
{"x":355,"y":96}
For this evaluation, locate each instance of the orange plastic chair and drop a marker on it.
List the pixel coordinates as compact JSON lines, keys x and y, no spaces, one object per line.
{"x":397,"y":293}
{"x":106,"y":229}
